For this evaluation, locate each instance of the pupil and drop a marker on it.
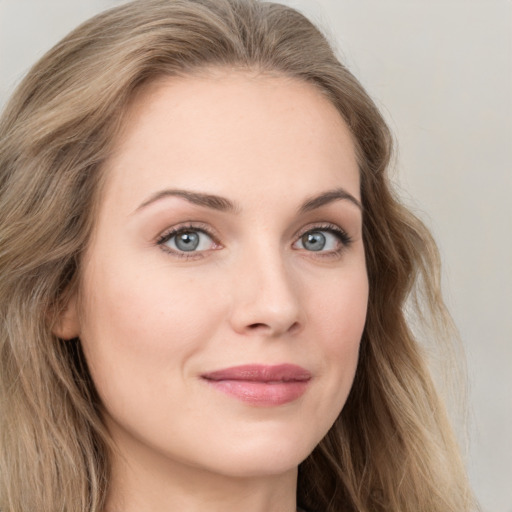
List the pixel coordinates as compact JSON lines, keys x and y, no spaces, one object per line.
{"x":313,"y":241}
{"x":187,"y":241}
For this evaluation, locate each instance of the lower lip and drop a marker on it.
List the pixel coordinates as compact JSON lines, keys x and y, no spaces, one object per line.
{"x":265,"y":394}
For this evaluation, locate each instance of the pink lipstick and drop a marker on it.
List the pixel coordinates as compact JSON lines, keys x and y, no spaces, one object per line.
{"x":261,"y":385}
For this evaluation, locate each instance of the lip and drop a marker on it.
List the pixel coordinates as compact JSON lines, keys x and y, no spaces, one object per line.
{"x":261,"y":385}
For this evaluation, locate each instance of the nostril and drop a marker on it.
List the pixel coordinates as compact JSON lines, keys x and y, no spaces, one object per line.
{"x":294,"y":328}
{"x":258,"y":326}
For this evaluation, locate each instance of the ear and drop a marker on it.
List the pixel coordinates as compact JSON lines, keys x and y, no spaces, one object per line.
{"x":67,"y":324}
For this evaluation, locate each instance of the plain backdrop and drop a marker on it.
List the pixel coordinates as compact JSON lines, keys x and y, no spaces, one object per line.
{"x":441,"y":71}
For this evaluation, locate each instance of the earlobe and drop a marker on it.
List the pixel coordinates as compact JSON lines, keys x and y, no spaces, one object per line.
{"x":67,"y":325}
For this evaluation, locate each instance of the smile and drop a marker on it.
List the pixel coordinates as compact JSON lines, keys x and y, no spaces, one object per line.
{"x":261,"y":385}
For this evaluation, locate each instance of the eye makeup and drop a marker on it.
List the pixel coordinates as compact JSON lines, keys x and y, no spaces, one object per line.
{"x":195,"y":240}
{"x":199,"y":230}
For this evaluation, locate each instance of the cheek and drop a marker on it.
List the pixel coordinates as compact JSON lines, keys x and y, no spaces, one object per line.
{"x":143,"y":305}
{"x":339,"y":318}
{"x":138,"y":325}
{"x":339,"y":307}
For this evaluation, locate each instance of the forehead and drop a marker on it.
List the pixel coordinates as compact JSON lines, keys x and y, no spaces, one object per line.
{"x":227,"y":131}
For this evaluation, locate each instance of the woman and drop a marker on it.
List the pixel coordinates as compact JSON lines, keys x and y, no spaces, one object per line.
{"x":204,"y":276}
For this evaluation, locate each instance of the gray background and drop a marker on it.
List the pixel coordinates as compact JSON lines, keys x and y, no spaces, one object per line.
{"x":441,"y":71}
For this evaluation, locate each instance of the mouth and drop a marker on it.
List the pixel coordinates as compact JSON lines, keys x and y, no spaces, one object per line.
{"x":261,"y":385}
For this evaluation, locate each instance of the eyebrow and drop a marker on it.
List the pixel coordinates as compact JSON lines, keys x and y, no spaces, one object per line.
{"x":328,"y":197}
{"x":225,"y":205}
{"x":208,"y":200}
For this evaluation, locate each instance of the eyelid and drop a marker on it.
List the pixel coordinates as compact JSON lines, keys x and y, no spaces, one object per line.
{"x":167,"y":234}
{"x":325,"y":226}
{"x":344,"y":238}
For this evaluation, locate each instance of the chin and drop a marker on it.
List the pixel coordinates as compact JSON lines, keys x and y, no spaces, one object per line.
{"x":260,"y":466}
{"x":260,"y":455}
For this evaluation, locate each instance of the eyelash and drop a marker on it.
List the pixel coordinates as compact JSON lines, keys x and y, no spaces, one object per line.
{"x":343,"y":237}
{"x":183,"y":228}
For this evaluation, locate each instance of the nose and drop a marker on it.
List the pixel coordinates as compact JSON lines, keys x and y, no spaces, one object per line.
{"x":266,"y":300}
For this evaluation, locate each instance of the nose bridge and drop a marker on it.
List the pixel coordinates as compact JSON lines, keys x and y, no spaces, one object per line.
{"x":267,"y":297}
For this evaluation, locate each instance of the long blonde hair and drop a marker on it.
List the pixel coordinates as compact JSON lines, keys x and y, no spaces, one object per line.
{"x":391,"y":448}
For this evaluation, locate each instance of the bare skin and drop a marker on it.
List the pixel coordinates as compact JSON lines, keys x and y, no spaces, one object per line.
{"x":229,"y":234}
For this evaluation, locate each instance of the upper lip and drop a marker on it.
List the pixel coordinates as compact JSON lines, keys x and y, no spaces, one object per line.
{"x":261,"y":373}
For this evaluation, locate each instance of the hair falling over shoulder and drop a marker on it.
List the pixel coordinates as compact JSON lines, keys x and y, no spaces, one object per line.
{"x":391,"y":448}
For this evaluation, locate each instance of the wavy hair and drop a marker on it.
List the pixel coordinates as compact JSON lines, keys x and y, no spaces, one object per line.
{"x":391,"y":448}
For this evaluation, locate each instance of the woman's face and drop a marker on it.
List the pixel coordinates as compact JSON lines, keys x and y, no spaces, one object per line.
{"x":224,"y":291}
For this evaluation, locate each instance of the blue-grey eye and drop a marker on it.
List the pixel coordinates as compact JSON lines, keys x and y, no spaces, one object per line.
{"x":313,"y":241}
{"x":318,"y":240}
{"x":189,"y":240}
